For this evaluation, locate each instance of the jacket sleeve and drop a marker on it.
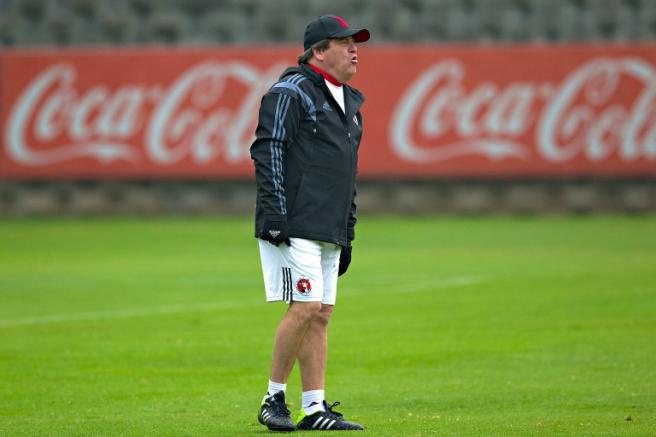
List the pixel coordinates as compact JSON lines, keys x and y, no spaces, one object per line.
{"x":280,"y":116}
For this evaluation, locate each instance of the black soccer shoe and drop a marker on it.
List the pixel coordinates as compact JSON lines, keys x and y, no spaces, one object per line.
{"x":328,"y":420}
{"x":274,"y":413}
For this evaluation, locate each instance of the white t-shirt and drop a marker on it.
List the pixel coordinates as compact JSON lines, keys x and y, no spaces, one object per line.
{"x":338,"y":94}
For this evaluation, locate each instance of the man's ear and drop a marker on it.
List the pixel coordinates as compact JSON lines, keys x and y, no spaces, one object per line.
{"x":319,"y":54}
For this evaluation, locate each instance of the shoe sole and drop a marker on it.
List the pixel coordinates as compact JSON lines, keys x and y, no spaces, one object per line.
{"x":331,"y":429}
{"x":276,"y":429}
{"x":281,"y":429}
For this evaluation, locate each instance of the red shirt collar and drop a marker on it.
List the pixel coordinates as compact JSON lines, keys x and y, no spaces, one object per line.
{"x":326,"y":76}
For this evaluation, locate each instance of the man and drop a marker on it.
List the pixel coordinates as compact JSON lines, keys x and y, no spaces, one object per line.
{"x":305,"y":156}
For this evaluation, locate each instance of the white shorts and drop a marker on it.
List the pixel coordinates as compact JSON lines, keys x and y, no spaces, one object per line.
{"x":305,"y":272}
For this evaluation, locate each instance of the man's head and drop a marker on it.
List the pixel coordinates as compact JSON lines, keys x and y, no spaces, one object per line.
{"x":329,"y":44}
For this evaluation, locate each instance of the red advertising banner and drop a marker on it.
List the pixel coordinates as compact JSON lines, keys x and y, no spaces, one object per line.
{"x":431,"y":111}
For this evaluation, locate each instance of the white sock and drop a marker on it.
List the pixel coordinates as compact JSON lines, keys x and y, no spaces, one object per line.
{"x":310,"y":397}
{"x":275,"y":387}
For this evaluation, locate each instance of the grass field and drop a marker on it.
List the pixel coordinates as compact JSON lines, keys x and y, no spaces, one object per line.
{"x":459,"y":326}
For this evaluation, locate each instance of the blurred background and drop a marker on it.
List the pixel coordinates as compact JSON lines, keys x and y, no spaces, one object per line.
{"x":119,"y":22}
{"x":60,"y":27}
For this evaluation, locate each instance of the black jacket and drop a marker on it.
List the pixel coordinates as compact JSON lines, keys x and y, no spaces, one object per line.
{"x":305,"y":154}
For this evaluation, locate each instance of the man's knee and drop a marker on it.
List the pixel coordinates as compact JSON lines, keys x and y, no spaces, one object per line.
{"x":304,"y":312}
{"x":322,"y":317}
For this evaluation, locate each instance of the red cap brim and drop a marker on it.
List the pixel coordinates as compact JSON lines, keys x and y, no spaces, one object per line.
{"x":359,"y":35}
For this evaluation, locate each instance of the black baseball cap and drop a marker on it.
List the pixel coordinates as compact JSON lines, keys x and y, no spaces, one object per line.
{"x":331,"y":26}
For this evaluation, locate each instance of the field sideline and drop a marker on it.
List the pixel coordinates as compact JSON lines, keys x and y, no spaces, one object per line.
{"x":443,"y":326}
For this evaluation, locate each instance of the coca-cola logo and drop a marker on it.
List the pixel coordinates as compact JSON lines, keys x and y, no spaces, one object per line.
{"x":52,"y":121}
{"x":606,"y":107}
{"x":596,"y":113}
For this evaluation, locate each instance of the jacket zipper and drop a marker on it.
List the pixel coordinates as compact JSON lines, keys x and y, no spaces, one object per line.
{"x":342,"y":115}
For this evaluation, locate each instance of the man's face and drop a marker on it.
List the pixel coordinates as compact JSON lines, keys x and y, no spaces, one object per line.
{"x":340,"y":59}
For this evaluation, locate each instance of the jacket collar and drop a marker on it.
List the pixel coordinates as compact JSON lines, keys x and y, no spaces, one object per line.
{"x":353,"y":99}
{"x":318,"y":80}
{"x":326,"y":75}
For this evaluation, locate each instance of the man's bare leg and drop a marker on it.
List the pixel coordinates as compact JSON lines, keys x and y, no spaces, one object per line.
{"x":312,"y":357}
{"x":289,"y":337}
{"x":292,"y":330}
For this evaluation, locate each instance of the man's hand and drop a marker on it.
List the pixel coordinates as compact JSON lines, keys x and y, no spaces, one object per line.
{"x":275,"y":231}
{"x":344,"y":259}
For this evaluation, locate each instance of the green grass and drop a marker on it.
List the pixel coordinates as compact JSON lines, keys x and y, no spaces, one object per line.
{"x":460,"y":326}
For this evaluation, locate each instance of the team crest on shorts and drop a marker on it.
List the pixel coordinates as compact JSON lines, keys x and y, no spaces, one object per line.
{"x":303,"y":286}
